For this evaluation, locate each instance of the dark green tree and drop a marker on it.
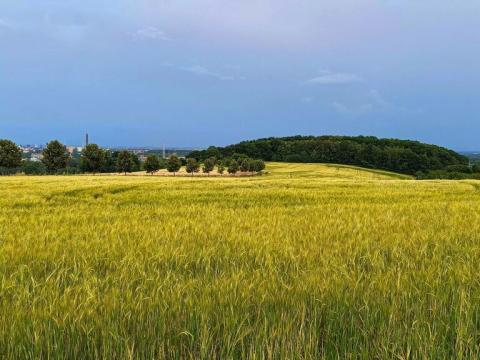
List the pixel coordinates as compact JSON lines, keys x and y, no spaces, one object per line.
{"x":137,"y":164}
{"x":124,"y":162}
{"x":192,"y":166}
{"x":233,"y":167}
{"x":209,"y":165}
{"x":55,"y":157}
{"x":10,"y":155}
{"x":92,"y":159}
{"x":152,"y":164}
{"x":258,"y":166}
{"x":174,"y":164}
{"x":110,"y":162}
{"x":245,"y":165}
{"x":220,"y":168}
{"x":33,"y":168}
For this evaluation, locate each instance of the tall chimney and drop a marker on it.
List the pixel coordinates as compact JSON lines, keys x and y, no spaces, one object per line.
{"x":86,"y":139}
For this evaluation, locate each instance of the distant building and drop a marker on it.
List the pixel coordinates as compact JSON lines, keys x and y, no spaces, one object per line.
{"x":36,"y":157}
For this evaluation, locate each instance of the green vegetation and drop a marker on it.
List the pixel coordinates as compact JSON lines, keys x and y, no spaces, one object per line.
{"x":233,"y":167}
{"x":174,"y":164}
{"x":55,"y":157}
{"x":93,"y":159}
{"x":209,"y":165}
{"x":402,"y":156}
{"x":10,"y":157}
{"x":152,"y":164}
{"x":192,"y":166}
{"x":307,"y":262}
{"x":124,"y":162}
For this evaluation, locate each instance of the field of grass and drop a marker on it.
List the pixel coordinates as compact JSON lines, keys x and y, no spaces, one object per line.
{"x":305,"y":262}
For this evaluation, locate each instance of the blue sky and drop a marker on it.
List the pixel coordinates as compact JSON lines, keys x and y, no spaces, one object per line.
{"x":201,"y":72}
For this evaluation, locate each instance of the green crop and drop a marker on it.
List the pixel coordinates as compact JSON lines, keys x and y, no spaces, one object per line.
{"x":304,"y":262}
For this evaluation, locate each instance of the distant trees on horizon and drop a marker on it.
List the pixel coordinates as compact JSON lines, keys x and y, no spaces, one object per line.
{"x":57,"y":159}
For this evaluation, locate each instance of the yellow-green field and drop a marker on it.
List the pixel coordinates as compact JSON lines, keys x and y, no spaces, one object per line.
{"x":305,"y":262}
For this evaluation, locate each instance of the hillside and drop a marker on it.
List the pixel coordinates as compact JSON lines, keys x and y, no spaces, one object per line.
{"x":402,"y":156}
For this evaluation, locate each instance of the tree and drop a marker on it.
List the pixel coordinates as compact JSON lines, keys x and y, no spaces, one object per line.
{"x":402,"y":156}
{"x":245,"y":165}
{"x":33,"y":168}
{"x":192,"y":166}
{"x":124,"y":162}
{"x":174,"y":164}
{"x":220,"y":168}
{"x":233,"y":167}
{"x":10,"y":154}
{"x":258,"y":165}
{"x":111,"y":159}
{"x":152,"y":164}
{"x":55,"y":157}
{"x":92,"y":159}
{"x":137,"y":164}
{"x":209,"y":165}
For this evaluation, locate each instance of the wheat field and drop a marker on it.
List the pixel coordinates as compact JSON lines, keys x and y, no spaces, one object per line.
{"x":304,"y":262}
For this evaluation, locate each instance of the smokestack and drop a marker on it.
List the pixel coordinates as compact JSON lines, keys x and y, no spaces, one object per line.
{"x":86,"y":139}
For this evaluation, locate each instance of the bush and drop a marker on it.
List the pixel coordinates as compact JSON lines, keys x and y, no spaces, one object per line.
{"x":9,"y":171}
{"x":33,"y":168}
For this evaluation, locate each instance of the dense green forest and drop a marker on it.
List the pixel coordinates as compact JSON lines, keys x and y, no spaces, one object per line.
{"x":403,"y":156}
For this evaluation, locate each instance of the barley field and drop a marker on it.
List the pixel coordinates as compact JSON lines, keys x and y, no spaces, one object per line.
{"x":304,"y":262}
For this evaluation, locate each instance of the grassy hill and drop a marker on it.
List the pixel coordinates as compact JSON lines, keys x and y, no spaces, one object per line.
{"x":401,"y":156}
{"x":331,"y":171}
{"x":309,"y":261}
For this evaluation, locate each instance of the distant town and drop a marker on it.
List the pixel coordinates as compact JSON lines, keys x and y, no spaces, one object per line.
{"x":34,"y":152}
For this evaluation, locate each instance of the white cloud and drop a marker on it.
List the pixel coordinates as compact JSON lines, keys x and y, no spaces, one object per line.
{"x":352,"y":110}
{"x":378,"y":99}
{"x":199,"y":70}
{"x":330,"y":78}
{"x":150,"y":33}
{"x":307,"y":100}
{"x":372,"y":101}
{"x":6,"y":25}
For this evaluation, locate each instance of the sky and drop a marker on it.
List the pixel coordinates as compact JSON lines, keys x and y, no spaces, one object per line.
{"x":194,"y":73}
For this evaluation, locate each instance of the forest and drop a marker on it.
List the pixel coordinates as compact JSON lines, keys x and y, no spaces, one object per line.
{"x":425,"y":161}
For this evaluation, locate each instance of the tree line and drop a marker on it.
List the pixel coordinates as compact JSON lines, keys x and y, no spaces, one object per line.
{"x":93,"y":159}
{"x":402,"y":156}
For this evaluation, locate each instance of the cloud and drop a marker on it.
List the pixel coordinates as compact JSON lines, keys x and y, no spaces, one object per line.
{"x":378,"y":99}
{"x":150,"y":33}
{"x":307,"y":100}
{"x":352,"y":110}
{"x":199,"y":70}
{"x":66,"y":29}
{"x":6,"y":24}
{"x":330,"y":78}
{"x":372,"y":101}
